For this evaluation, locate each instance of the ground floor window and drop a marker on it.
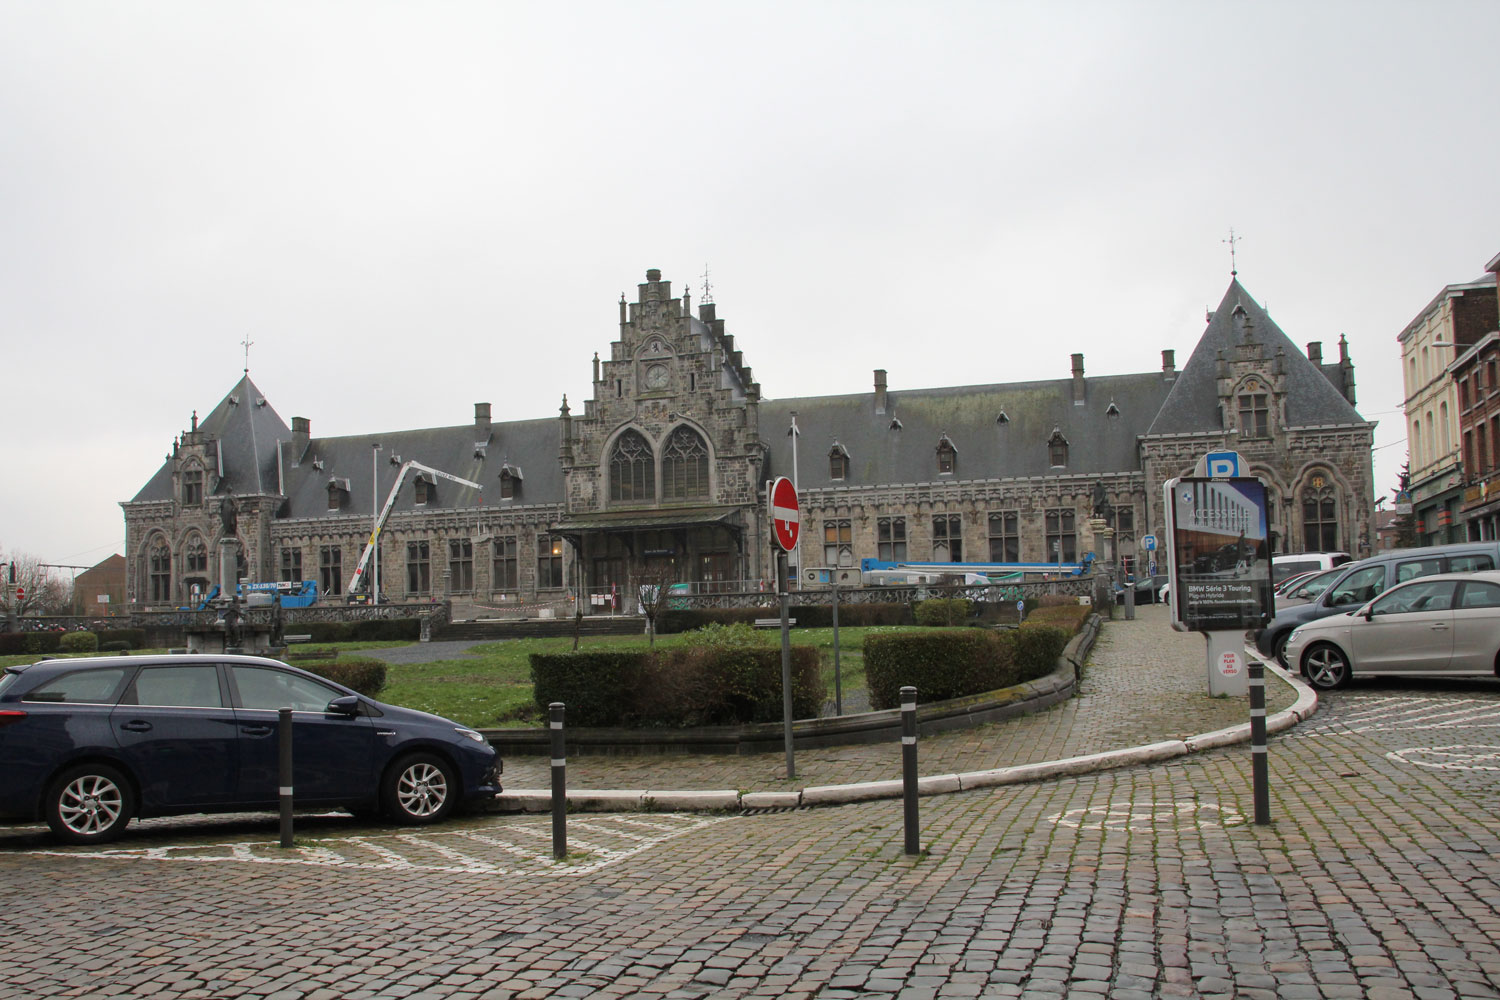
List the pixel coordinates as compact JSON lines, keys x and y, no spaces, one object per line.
{"x":891,"y":540}
{"x":838,"y":542}
{"x":947,"y":538}
{"x":1320,"y":518}
{"x":159,"y":575}
{"x":418,"y":568}
{"x":331,"y":569}
{"x":1061,"y":535}
{"x":549,"y":562}
{"x":461,"y":565}
{"x":505,"y":574}
{"x":1005,"y":536}
{"x":291,"y":565}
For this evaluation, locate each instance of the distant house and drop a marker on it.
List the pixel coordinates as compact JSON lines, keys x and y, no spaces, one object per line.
{"x":99,"y":591}
{"x":664,"y":470}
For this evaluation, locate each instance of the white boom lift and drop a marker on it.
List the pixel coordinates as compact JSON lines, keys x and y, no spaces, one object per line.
{"x":357,"y":581}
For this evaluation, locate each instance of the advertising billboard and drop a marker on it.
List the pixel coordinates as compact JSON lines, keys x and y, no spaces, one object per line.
{"x":1220,"y":554}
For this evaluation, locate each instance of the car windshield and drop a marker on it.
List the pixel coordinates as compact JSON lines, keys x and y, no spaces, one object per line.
{"x":1312,"y":588}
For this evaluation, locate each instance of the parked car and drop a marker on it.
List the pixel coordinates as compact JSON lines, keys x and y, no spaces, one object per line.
{"x":1292,"y":581}
{"x":1359,"y":582}
{"x":1446,"y":625}
{"x":89,"y":743}
{"x":1300,"y":590}
{"x":1290,"y":563}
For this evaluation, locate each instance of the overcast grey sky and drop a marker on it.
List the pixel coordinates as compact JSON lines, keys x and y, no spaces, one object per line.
{"x":409,"y":208}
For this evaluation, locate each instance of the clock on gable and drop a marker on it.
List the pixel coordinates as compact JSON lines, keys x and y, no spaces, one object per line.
{"x":656,"y":377}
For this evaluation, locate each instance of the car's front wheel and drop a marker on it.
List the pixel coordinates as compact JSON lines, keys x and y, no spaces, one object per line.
{"x":1278,"y":649}
{"x":420,"y":788}
{"x":89,"y":804}
{"x":1326,"y":666}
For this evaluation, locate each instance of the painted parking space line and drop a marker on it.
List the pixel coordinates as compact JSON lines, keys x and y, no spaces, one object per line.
{"x":516,"y":847}
{"x":1461,"y":757}
{"x":1406,"y":713}
{"x":1148,"y":815}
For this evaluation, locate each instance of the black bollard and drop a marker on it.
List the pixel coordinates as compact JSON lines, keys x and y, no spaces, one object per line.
{"x":559,"y":783}
{"x":909,"y":767}
{"x":1258,"y":752}
{"x":284,"y":770}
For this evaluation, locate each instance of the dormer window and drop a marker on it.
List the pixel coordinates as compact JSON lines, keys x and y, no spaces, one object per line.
{"x":1002,"y":419}
{"x":510,"y":481}
{"x":1113,"y":411}
{"x":1057,"y":450}
{"x":424,"y":490}
{"x":338,"y":492}
{"x":192,"y":488}
{"x":1255,"y":412}
{"x":838,"y":463}
{"x":947,"y":458}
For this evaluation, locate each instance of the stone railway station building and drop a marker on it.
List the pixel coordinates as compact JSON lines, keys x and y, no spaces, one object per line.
{"x":662,"y":475}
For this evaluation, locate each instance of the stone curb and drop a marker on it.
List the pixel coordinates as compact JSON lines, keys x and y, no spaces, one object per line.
{"x":728,"y":800}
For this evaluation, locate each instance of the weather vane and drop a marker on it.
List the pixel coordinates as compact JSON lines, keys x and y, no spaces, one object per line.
{"x":1233,"y":239}
{"x":708,"y":289}
{"x":247,"y":342}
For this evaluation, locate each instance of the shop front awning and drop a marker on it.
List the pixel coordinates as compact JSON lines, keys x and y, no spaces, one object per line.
{"x":654,"y":519}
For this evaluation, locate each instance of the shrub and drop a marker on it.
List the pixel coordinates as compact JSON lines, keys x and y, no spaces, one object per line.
{"x":1054,"y":601}
{"x":78,"y":642}
{"x":1037,"y":649}
{"x":941,"y":611}
{"x":599,"y":687}
{"x":114,"y":646}
{"x":132,"y":638}
{"x":364,"y":674}
{"x":1066,"y":616}
{"x":950,"y":663}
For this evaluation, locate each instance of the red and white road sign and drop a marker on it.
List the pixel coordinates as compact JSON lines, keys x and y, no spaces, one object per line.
{"x":785,"y":520}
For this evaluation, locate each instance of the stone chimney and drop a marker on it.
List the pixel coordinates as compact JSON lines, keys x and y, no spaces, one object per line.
{"x":481,"y":423}
{"x":1169,"y":362}
{"x":301,"y":435}
{"x":1315,"y":352}
{"x":880,"y":390}
{"x":1078,"y":385}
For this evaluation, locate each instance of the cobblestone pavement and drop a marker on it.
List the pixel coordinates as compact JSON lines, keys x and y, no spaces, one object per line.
{"x":1378,"y":877}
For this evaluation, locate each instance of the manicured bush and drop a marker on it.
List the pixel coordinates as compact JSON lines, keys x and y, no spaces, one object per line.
{"x":78,"y":642}
{"x":115,"y":646}
{"x":941,"y":611}
{"x":670,"y":621}
{"x":1037,"y":649}
{"x":941,"y":664}
{"x":599,"y":687}
{"x":133,"y":638}
{"x":21,"y":643}
{"x":364,"y":674}
{"x":1069,"y":617}
{"x":370,"y":630}
{"x":1054,"y":601}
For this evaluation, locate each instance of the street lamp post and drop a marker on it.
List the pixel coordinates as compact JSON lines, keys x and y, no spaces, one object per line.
{"x":375,"y":524}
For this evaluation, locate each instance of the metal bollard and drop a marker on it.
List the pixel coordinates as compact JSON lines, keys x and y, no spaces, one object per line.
{"x":1258,"y":752}
{"x":559,"y":782}
{"x":284,"y":771}
{"x":909,"y":767}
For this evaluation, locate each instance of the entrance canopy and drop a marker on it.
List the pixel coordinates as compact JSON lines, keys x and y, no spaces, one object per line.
{"x":653,"y":519}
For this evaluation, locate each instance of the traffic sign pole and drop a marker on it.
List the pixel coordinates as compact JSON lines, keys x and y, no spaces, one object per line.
{"x":786,"y":524}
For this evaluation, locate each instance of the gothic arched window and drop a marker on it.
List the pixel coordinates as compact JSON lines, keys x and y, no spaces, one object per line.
{"x":1320,"y":514}
{"x":632,"y":469}
{"x":684,"y":466}
{"x":195,"y":561}
{"x":947,"y":457}
{"x":159,"y":572}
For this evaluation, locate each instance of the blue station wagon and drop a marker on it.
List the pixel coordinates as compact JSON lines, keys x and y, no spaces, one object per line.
{"x":87,"y":744}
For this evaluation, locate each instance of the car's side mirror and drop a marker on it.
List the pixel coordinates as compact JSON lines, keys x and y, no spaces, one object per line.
{"x":347,"y":705}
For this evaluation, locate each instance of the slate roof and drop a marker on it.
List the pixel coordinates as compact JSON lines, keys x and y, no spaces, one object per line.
{"x":529,"y":446}
{"x":1193,"y":404}
{"x":969,"y":416}
{"x":247,"y":428}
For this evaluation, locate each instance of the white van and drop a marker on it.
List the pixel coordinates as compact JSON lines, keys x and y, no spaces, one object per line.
{"x":1284,"y":566}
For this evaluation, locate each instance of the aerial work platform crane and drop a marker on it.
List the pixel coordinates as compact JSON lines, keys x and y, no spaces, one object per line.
{"x":357,"y":581}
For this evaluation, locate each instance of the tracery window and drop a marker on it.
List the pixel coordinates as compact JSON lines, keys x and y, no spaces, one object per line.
{"x":291,"y":565}
{"x":1255,"y":412}
{"x":159,"y":572}
{"x":1061,"y":535}
{"x":1320,"y":515}
{"x":196,"y":558}
{"x":461,"y":565}
{"x":331,"y":569}
{"x":418,"y":568}
{"x":632,"y":469}
{"x":890,"y":542}
{"x":684,"y":466}
{"x":505,"y":575}
{"x":947,"y":538}
{"x":192,"y":488}
{"x":1005,"y":536}
{"x":838,"y":542}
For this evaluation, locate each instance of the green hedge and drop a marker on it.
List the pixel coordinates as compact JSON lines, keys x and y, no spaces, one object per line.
{"x":133,"y":638}
{"x":364,"y":674}
{"x":78,"y":642}
{"x":942,"y":611}
{"x":671,"y":620}
{"x":370,"y":630}
{"x":695,"y":685}
{"x":21,"y":643}
{"x":1037,"y":648}
{"x":1069,"y":617}
{"x":941,"y":664}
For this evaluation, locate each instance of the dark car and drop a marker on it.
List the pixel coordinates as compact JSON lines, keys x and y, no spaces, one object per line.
{"x":87,"y":744}
{"x":1359,"y":582}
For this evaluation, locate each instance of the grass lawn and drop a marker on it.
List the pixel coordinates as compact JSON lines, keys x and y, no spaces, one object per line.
{"x":491,"y":685}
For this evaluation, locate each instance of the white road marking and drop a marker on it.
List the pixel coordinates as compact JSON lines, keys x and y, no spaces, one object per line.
{"x":1144,"y":816}
{"x":502,"y":849}
{"x":1462,"y":757}
{"x":1406,"y":714}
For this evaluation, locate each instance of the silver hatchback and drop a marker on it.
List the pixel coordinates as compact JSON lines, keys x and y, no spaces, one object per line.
{"x":1445,"y":625}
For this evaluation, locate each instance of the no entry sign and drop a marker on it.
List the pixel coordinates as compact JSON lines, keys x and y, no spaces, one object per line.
{"x":785,"y":520}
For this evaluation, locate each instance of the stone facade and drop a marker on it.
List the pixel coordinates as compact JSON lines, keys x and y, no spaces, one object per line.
{"x":661,"y":476}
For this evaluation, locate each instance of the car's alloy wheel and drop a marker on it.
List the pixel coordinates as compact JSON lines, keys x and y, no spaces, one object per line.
{"x":89,"y":804}
{"x":420,"y":788}
{"x":1326,"y":667}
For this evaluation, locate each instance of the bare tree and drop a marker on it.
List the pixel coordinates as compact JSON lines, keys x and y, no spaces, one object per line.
{"x":40,"y":592}
{"x":651,"y":587}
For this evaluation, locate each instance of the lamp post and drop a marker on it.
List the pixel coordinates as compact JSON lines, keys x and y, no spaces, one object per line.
{"x":375,"y":523}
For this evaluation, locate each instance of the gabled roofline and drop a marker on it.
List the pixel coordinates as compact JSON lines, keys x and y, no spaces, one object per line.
{"x":1448,"y":292}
